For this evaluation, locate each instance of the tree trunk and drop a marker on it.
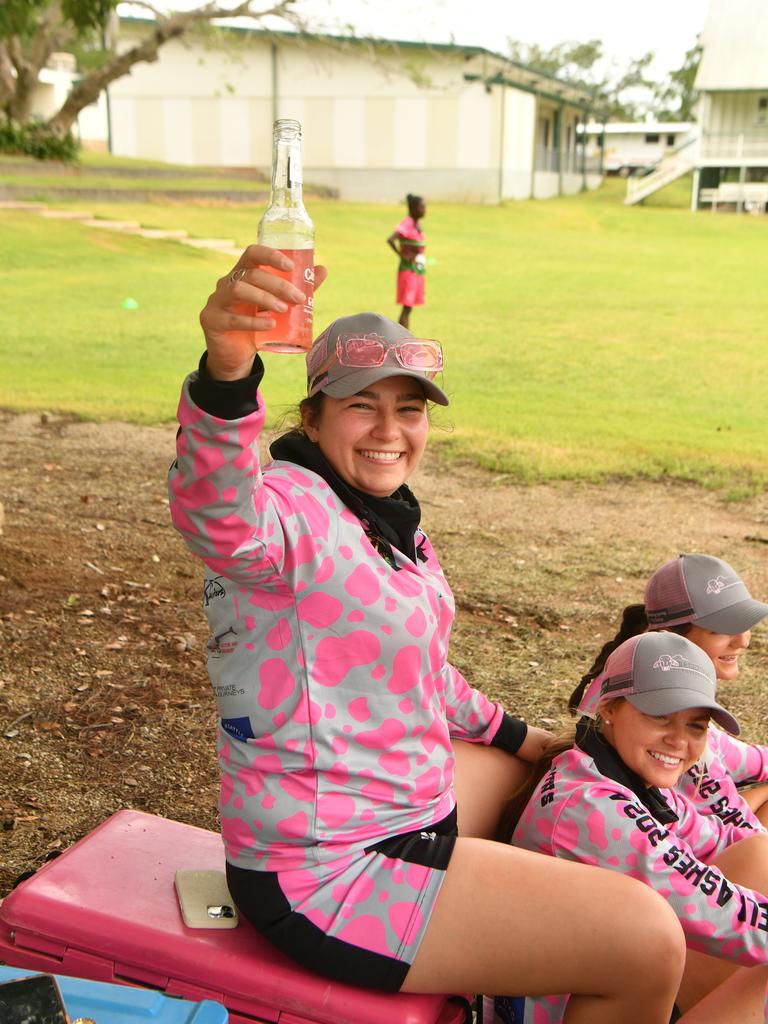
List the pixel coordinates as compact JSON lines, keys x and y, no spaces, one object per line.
{"x":7,"y":79}
{"x":91,"y":85}
{"x":20,"y":64}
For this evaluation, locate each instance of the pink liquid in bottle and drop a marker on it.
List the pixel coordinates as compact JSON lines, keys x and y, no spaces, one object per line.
{"x":293,"y":329}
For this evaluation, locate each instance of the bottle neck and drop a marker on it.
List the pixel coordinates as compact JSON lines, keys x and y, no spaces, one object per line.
{"x":287,"y":177}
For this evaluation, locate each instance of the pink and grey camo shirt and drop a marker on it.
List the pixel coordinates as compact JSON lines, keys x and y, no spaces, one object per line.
{"x":579,"y":814}
{"x":330,"y":667}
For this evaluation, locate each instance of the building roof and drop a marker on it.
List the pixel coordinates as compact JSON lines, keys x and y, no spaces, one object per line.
{"x":735,"y":41}
{"x":488,"y":67}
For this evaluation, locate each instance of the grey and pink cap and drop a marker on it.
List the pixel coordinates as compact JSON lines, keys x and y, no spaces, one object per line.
{"x":661,"y":673}
{"x":703,"y":590}
{"x":355,"y":352}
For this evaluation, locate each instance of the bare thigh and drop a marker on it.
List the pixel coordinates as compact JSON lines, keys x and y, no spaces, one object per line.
{"x":485,"y":778}
{"x":739,"y":1000}
{"x":517,"y":923}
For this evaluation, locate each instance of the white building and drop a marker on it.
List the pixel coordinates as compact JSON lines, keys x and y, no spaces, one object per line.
{"x":53,"y":86}
{"x":629,"y":146}
{"x":381,"y":119}
{"x":729,"y":157}
{"x":733,"y":106}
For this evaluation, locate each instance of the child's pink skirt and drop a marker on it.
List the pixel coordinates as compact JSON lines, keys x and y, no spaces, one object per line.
{"x":410,"y":288}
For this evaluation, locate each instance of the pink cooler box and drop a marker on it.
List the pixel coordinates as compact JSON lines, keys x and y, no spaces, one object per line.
{"x":107,"y":910}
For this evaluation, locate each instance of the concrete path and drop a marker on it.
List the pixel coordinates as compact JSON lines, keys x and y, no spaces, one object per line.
{"x":129,"y":227}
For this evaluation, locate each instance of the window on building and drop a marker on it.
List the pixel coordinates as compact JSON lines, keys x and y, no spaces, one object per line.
{"x":670,"y":140}
{"x":762,"y":103}
{"x":651,"y":138}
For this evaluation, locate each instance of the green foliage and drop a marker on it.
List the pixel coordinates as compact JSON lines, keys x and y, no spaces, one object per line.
{"x":613,"y":90}
{"x":37,"y":140}
{"x":89,"y":52}
{"x":676,"y":97}
{"x":17,"y":17}
{"x":571,"y":60}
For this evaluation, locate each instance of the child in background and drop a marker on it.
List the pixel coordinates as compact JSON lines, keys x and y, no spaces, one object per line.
{"x":408,"y":242}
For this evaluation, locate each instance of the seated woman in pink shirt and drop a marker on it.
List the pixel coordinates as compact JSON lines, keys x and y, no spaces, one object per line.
{"x":355,"y":834}
{"x":604,"y":795}
{"x":703,"y":599}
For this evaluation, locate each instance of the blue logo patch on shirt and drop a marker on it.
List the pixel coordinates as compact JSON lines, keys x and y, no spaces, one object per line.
{"x":238,"y":728}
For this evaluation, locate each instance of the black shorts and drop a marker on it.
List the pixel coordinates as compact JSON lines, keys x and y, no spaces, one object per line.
{"x":261,"y":897}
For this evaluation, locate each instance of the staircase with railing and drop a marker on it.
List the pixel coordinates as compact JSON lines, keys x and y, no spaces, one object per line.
{"x":673,"y":165}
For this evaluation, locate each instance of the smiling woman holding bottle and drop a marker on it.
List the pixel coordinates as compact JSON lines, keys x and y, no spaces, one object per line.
{"x":360,"y":772}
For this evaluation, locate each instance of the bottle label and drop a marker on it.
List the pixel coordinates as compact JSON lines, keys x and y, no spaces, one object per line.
{"x":293,"y":329}
{"x":295,"y":175}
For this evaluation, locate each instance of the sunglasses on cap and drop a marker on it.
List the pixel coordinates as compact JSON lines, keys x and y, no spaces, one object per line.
{"x":360,"y":351}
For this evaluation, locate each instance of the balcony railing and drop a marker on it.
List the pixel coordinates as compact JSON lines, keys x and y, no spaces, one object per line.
{"x":745,"y":146}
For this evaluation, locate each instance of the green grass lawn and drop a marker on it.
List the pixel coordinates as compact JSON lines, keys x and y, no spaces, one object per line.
{"x":42,"y":177}
{"x":582,"y":338}
{"x":43,"y":182}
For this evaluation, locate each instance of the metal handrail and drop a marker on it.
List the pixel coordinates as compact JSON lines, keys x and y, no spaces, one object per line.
{"x":670,"y":152}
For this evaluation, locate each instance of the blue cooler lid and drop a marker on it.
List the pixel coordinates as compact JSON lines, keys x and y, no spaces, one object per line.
{"x":124,"y":1004}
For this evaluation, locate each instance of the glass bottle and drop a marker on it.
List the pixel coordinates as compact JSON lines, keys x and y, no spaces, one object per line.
{"x":286,"y":225}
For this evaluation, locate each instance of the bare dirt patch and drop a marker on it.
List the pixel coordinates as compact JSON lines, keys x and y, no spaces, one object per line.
{"x":104,"y":700}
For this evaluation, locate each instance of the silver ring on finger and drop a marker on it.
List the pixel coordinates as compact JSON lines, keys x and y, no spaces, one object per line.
{"x":237,"y":275}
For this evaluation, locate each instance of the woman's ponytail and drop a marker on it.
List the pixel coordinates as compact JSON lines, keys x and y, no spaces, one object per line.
{"x":633,"y":621}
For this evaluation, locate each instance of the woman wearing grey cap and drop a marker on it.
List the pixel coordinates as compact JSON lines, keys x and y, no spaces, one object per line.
{"x":345,"y":732}
{"x":704,"y":599}
{"x":604,"y":794}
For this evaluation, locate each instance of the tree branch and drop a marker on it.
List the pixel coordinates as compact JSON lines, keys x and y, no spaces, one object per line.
{"x":166,"y":28}
{"x":7,"y":77}
{"x":28,"y":58}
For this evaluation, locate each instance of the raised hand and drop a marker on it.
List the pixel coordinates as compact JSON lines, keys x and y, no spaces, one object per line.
{"x":240,"y":307}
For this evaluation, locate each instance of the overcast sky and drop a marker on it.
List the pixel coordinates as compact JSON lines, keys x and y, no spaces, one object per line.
{"x":627,"y":29}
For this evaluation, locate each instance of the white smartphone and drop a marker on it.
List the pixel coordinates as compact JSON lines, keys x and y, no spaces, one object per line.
{"x":204,"y":899}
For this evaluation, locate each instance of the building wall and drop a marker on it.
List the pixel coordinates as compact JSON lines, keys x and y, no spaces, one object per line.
{"x":574,"y":182}
{"x":546,"y":184}
{"x":634,"y":149}
{"x":735,"y":112}
{"x":377,"y":123}
{"x":516,"y":176}
{"x":631,"y":148}
{"x":53,"y":86}
{"x":734,"y":129}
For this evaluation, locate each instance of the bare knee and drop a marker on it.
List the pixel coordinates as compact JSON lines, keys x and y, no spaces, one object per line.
{"x":657,"y":939}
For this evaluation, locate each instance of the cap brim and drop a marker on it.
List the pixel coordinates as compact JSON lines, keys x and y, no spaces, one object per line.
{"x":667,"y":702}
{"x":736,"y":618}
{"x":359,"y":380}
